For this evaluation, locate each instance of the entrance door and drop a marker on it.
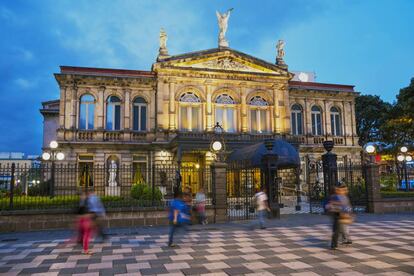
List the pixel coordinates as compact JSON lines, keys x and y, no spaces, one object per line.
{"x":191,"y":176}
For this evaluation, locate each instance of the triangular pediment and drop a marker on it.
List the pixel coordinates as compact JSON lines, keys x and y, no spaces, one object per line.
{"x":223,"y":60}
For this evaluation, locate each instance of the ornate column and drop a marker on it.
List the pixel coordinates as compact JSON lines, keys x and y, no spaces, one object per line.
{"x":308,"y":118}
{"x":276,"y":115}
{"x":62,"y":106}
{"x":74,"y":106}
{"x":127,"y":108}
{"x":353,"y":123}
{"x":343,"y":117}
{"x":100,"y":104}
{"x":209,"y":105}
{"x":326,"y":130}
{"x":171,"y":108}
{"x":160,"y":104}
{"x":243,"y":107}
{"x":287,"y":111}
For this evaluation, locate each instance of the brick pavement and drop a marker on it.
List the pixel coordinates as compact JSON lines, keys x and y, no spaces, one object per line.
{"x":381,"y":247}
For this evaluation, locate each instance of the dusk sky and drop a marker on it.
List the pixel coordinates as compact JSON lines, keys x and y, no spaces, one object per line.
{"x":368,"y":44}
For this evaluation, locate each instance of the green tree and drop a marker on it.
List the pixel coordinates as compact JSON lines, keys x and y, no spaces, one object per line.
{"x":371,"y":114}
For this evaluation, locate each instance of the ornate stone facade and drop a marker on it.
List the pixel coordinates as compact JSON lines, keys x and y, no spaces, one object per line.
{"x":166,"y":115}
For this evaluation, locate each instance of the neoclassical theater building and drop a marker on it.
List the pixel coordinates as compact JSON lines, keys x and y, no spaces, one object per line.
{"x":165,"y":116}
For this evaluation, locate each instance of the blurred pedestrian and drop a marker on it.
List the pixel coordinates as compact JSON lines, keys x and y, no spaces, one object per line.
{"x":84,"y":225}
{"x":176,"y":216}
{"x":201,"y":206}
{"x":340,"y":208}
{"x":188,"y":200}
{"x":262,"y":206}
{"x":97,"y":210}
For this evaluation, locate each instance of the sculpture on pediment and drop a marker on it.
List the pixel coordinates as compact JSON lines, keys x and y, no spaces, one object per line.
{"x":280,"y":53}
{"x":222,"y":22}
{"x":163,"y":51}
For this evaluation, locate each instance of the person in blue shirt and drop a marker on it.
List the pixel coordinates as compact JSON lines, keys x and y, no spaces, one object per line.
{"x":96,"y":207}
{"x":341,"y":210}
{"x":177,"y":216}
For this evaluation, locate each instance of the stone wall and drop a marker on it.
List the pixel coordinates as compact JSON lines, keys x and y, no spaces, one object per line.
{"x":394,"y":205}
{"x":16,"y":222}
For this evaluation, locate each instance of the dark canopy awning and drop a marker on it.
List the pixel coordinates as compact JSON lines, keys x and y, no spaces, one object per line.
{"x":288,"y":156}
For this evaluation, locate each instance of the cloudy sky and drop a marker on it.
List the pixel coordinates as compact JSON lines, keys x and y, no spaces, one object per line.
{"x":365,"y":43}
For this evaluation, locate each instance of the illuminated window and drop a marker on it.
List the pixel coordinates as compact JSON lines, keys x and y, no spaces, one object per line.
{"x":113,"y":113}
{"x":190,"y":114}
{"x":296,"y":120}
{"x":86,"y":112}
{"x":316,"y":115}
{"x":139,"y":114}
{"x":259,"y":112}
{"x":336,"y":122}
{"x":226,"y":112}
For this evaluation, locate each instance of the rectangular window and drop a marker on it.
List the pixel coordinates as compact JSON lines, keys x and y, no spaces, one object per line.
{"x":319,"y":124}
{"x":136,"y":117}
{"x":195,"y":119}
{"x":143,"y":118}
{"x":91,"y":112}
{"x":109,"y":117}
{"x":299,"y":124}
{"x":184,"y":118}
{"x":294,"y":132}
{"x":117,"y":117}
{"x":219,"y":116}
{"x":253,"y":120}
{"x":263,"y":121}
{"x":230,"y":126}
{"x":82,"y":119}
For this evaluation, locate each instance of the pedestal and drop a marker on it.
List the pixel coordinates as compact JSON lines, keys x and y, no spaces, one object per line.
{"x":113,"y":191}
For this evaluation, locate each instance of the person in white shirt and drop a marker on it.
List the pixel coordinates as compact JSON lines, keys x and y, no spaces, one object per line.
{"x":262,"y":206}
{"x":201,"y":206}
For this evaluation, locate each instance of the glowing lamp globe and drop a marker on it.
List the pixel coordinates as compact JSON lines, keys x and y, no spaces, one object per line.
{"x":400,"y":158}
{"x":408,"y":158}
{"x":216,"y":146}
{"x":60,"y":156}
{"x":370,"y":149}
{"x":53,"y":144}
{"x":403,"y":149}
{"x":46,"y":156}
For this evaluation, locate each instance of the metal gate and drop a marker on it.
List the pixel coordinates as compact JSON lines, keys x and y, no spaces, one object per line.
{"x":316,"y":186}
{"x":350,"y":174}
{"x":241,"y":186}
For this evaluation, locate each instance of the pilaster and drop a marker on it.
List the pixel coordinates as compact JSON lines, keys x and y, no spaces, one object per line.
{"x":219,"y":171}
{"x":209,"y":105}
{"x":127,"y":108}
{"x":62,"y":106}
{"x":99,"y":108}
{"x":172,"y":112}
{"x":243,"y":109}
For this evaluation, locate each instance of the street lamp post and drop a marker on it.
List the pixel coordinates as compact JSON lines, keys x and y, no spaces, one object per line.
{"x":53,"y":154}
{"x":217,"y":145}
{"x":403,"y":157}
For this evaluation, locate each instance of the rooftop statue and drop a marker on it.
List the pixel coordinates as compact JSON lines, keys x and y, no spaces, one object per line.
{"x":222,"y":22}
{"x":163,"y":51}
{"x":280,"y":51}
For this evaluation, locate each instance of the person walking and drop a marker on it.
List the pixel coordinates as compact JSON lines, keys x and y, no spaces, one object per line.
{"x":176,"y":217}
{"x":97,"y":210}
{"x":201,"y":206}
{"x":84,"y":225}
{"x":340,"y":208}
{"x":262,"y":206}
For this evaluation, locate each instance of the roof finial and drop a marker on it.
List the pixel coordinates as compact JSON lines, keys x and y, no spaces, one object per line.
{"x":280,"y":53}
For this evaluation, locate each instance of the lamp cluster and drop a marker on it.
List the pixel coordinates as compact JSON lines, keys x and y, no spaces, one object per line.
{"x":53,"y":154}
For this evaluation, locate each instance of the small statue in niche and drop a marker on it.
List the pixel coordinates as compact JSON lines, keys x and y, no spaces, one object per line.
{"x":112,"y":173}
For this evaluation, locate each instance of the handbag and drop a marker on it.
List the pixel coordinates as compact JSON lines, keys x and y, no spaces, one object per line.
{"x":346,"y":218}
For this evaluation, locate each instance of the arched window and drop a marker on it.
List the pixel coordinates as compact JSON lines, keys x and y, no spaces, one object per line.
{"x":139,"y":114}
{"x":190,"y":114}
{"x":259,"y":112}
{"x":296,"y":120}
{"x":86,"y":112}
{"x":226,"y":112}
{"x":336,"y":122}
{"x":113,"y":113}
{"x":316,"y":115}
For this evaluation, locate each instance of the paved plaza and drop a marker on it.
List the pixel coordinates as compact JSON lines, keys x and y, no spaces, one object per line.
{"x":295,"y":245}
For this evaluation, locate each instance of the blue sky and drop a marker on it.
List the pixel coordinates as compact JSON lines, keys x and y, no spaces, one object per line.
{"x":365,"y":43}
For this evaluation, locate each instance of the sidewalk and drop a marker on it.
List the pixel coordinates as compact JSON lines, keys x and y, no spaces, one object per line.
{"x":296,"y":245}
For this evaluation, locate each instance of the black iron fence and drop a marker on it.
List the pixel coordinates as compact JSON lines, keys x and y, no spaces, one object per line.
{"x":353,"y":175}
{"x":56,"y":186}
